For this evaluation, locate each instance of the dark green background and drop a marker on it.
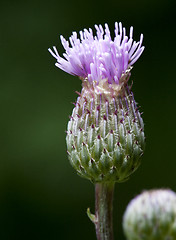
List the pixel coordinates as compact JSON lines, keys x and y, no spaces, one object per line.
{"x":41,"y":197}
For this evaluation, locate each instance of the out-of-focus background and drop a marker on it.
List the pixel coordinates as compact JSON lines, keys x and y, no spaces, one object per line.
{"x":41,"y":197}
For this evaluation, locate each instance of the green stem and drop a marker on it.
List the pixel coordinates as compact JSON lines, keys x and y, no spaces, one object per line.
{"x":103,"y":211}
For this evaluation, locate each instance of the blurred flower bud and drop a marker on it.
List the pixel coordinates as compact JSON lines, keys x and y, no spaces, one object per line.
{"x":151,"y":216}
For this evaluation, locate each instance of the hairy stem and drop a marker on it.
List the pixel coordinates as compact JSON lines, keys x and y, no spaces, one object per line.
{"x":103,"y":211}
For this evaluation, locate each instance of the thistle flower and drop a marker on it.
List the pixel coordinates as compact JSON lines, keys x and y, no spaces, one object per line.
{"x":151,"y":215}
{"x":105,"y":135}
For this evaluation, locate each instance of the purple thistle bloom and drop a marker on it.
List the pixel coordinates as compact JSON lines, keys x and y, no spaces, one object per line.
{"x":99,"y":57}
{"x":105,"y":133}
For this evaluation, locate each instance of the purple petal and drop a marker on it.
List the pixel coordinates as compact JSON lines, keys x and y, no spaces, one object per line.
{"x":99,"y":57}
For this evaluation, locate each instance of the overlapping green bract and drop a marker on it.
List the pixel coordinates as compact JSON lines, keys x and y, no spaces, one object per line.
{"x":105,"y":136}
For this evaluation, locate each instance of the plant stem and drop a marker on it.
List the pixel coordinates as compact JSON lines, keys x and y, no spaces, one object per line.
{"x":103,"y":210}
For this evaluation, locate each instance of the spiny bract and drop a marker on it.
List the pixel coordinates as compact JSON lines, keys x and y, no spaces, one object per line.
{"x":105,"y":136}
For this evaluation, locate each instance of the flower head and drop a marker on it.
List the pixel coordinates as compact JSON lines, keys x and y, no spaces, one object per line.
{"x":151,"y":215}
{"x":99,"y":57}
{"x":105,"y":134}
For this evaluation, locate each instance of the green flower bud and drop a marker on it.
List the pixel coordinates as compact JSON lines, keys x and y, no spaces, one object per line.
{"x":105,"y":135}
{"x":151,"y":216}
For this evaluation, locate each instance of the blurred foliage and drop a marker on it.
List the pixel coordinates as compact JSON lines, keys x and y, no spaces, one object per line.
{"x":41,"y":197}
